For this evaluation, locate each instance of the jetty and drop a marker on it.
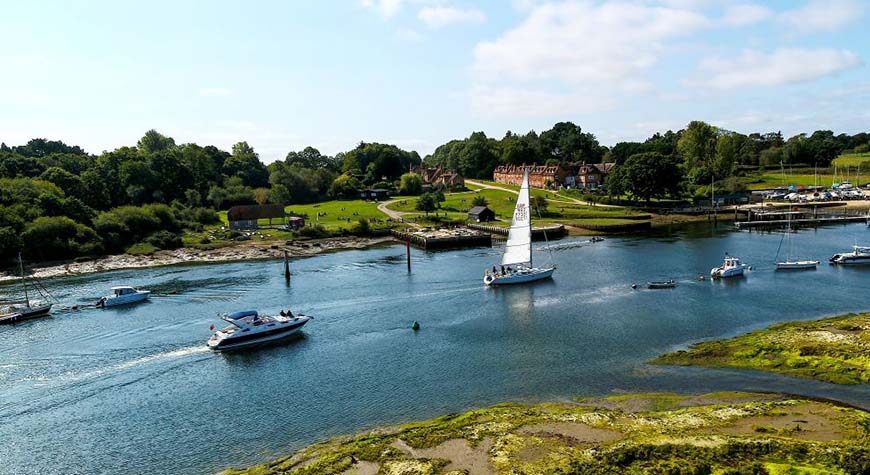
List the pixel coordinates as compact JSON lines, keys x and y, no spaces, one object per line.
{"x":538,"y":233}
{"x":801,"y":216}
{"x":434,"y":239}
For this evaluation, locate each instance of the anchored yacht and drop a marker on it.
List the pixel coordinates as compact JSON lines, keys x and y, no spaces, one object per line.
{"x":248,"y":328}
{"x":732,"y":267}
{"x":859,"y":255}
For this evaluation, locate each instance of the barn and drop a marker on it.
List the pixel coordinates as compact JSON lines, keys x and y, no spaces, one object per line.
{"x":245,"y":217}
{"x":481,"y":214}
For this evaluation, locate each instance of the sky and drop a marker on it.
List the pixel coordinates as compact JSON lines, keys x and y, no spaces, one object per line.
{"x":283,"y":75}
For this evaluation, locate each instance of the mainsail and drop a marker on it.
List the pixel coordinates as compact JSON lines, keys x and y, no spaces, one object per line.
{"x":518,"y":249}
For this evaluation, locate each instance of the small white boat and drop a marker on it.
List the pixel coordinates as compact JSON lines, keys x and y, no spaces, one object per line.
{"x":859,"y":255}
{"x":662,"y":284}
{"x":123,"y":295}
{"x":516,"y":262}
{"x":248,"y":328}
{"x":732,"y":267}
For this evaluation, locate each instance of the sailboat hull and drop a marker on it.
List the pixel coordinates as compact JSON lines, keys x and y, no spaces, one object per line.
{"x":521,"y":276}
{"x":796,"y":265}
{"x":26,"y":313}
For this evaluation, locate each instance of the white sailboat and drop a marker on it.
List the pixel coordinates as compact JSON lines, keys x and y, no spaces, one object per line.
{"x":516,"y":262}
{"x":789,"y":263}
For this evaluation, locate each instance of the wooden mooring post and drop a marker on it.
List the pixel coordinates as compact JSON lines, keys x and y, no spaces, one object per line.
{"x":286,"y":267}
{"x":408,"y":253}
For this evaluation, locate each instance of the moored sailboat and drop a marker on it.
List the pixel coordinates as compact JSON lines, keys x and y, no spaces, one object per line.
{"x":27,"y":308}
{"x":790,"y":263}
{"x":516,"y":262}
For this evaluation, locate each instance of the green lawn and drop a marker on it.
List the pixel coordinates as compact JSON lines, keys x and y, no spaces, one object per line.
{"x":851,"y":159}
{"x":456,"y":205}
{"x":775,"y":180}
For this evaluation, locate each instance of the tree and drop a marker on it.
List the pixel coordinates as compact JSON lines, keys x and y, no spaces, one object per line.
{"x":478,"y":157}
{"x":154,"y":141}
{"x":410,"y":184}
{"x":568,"y":143}
{"x":479,"y":200}
{"x":345,"y":186}
{"x":426,"y":203}
{"x":697,"y":148}
{"x":539,"y":204}
{"x":245,"y":164}
{"x":261,"y":196}
{"x":645,"y":176}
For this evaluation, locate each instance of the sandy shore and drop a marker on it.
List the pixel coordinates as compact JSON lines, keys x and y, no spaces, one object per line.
{"x":242,"y":251}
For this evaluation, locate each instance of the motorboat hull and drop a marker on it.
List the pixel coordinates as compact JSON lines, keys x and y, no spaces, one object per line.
{"x":796,"y":265}
{"x":850,"y":260}
{"x":26,"y":314}
{"x":221,"y":342}
{"x":140,"y":296}
{"x":520,"y":277}
{"x":661,"y":285}
{"x":720,"y":273}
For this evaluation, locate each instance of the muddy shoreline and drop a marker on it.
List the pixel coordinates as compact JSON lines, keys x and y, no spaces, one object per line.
{"x":262,"y":250}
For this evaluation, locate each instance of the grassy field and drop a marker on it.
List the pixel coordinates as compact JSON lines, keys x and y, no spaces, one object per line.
{"x":851,"y":159}
{"x":766,"y":181}
{"x":835,"y":349}
{"x":716,"y":434}
{"x":335,"y":214}
{"x":502,"y":202}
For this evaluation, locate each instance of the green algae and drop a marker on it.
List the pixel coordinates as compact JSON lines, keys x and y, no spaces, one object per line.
{"x":724,"y":433}
{"x":836,"y":350}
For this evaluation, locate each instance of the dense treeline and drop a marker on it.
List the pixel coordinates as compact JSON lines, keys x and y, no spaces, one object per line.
{"x":57,"y":201}
{"x":666,"y":164}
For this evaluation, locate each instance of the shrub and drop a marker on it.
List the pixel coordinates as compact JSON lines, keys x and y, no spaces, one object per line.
{"x":411,"y":184}
{"x":314,"y":231}
{"x":479,"y":200}
{"x":361,"y":228}
{"x":55,"y":237}
{"x":141,"y":249}
{"x":165,"y":240}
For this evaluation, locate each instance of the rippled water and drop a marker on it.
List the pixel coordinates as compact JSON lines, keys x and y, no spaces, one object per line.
{"x":135,"y":390}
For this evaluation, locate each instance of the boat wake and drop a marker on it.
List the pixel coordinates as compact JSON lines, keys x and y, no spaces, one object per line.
{"x":39,"y":393}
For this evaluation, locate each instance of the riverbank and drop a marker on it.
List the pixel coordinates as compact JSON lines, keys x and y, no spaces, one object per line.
{"x":646,"y":433}
{"x":835,"y":350}
{"x":242,"y":251}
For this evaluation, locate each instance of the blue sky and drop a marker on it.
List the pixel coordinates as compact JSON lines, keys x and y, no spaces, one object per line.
{"x":286,"y":74}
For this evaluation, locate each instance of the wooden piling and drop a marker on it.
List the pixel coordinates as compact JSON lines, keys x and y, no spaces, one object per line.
{"x":408,"y":253}
{"x":286,"y":267}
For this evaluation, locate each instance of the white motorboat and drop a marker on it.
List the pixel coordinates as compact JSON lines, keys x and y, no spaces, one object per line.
{"x":732,"y":267}
{"x":248,"y":328}
{"x":27,"y":308}
{"x":516,"y":262}
{"x":859,"y":255}
{"x":790,"y":263}
{"x":123,"y":295}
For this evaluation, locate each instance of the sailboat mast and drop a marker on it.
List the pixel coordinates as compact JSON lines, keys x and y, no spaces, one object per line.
{"x":23,"y":281}
{"x":529,"y":201}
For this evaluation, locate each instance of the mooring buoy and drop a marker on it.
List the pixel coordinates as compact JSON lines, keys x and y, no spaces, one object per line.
{"x":415,"y":326}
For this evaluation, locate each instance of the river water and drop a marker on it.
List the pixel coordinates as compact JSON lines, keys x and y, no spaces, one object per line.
{"x":136,"y":391}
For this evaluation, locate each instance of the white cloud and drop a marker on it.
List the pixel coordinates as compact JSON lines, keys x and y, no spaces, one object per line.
{"x":823,"y":15}
{"x":570,"y":54}
{"x":407,"y":34}
{"x":782,"y":66}
{"x":387,"y":8}
{"x":214,"y":91}
{"x":579,"y":41}
{"x":745,"y":14}
{"x":441,"y":16}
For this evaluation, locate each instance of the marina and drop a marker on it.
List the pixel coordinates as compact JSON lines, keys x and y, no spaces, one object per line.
{"x":583,"y":333}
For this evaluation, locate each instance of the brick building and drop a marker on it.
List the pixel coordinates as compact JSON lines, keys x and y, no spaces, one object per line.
{"x":438,"y":177}
{"x":540,"y":176}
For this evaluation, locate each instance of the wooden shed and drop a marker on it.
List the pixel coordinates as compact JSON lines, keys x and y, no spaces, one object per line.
{"x":245,"y":217}
{"x":481,"y":214}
